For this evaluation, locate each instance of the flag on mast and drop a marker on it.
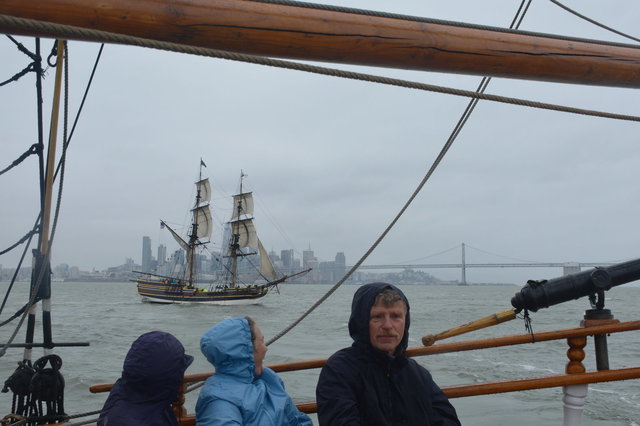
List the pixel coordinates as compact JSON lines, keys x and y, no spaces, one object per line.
{"x":202,"y":163}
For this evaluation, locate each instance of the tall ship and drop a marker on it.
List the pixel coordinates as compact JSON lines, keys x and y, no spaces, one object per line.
{"x":241,"y":242}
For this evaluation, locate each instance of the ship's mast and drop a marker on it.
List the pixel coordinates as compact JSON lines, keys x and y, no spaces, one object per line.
{"x":193,"y":236}
{"x":235,"y":238}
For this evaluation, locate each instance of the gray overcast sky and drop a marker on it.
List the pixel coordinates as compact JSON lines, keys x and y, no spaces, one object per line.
{"x":332,"y":161}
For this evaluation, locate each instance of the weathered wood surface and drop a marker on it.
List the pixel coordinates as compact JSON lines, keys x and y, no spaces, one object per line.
{"x":319,"y":35}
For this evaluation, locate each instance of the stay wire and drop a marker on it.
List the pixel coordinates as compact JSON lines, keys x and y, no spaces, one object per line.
{"x":432,"y":169}
{"x":594,"y":22}
{"x":80,"y":108}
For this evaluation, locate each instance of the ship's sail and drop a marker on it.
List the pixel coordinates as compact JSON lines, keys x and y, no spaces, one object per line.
{"x":266,"y":266}
{"x":204,"y":190}
{"x":178,"y":238}
{"x":201,"y":212}
{"x":202,"y":219}
{"x":247,"y":236}
{"x":244,"y":236}
{"x":242,"y":205}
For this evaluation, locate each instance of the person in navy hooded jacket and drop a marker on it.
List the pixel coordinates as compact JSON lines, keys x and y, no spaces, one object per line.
{"x":373,"y":382}
{"x":242,"y":391}
{"x":151,"y":377}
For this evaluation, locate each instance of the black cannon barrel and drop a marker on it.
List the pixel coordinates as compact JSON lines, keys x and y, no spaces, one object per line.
{"x":542,"y":294}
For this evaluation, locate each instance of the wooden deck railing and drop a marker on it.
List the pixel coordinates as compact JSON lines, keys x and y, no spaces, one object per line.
{"x":576,"y":372}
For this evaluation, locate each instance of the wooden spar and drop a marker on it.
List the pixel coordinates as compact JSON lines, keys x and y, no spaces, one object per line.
{"x":494,"y":319}
{"x":285,"y":31}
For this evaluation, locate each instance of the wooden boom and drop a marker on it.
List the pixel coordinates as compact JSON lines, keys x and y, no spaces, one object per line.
{"x":285,"y":31}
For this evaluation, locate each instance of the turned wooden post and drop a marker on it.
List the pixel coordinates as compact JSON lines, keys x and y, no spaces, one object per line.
{"x":575,"y":395}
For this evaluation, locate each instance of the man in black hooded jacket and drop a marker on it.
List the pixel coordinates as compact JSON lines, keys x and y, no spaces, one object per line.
{"x":372,"y":382}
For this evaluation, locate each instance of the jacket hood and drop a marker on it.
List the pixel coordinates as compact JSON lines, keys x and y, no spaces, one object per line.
{"x":363,"y":300}
{"x":228,"y":347}
{"x":154,"y":368}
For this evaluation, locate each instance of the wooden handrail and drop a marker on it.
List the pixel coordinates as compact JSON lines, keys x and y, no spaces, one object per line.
{"x":440,"y":348}
{"x":502,"y":387}
{"x":576,"y":338}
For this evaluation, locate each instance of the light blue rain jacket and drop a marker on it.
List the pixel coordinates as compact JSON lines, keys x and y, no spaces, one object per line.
{"x":234,"y":395}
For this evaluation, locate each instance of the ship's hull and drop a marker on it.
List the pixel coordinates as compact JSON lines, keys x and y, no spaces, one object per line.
{"x":163,"y":291}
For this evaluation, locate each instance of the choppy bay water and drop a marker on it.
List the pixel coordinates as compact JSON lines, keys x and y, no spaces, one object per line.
{"x":110,"y":316}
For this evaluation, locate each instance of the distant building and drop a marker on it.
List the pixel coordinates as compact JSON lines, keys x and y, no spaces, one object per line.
{"x":308,"y":259}
{"x":287,"y":260}
{"x":341,"y":264}
{"x":162,"y":254}
{"x":146,"y":254}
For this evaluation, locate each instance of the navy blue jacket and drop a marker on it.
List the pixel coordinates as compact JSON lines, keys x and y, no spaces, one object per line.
{"x":151,"y":376}
{"x":361,"y":385}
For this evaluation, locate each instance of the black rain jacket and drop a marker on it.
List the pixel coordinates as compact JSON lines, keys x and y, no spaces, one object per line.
{"x":151,"y":377}
{"x":361,"y":385}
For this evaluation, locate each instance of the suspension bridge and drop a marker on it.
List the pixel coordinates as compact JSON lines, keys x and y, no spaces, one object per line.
{"x":567,"y":267}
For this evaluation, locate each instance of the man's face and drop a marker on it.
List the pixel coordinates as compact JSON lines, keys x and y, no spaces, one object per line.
{"x":386,"y":326}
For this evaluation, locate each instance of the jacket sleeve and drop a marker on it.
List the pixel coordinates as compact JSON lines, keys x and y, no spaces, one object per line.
{"x":218,"y":412}
{"x":336,"y":395}
{"x":444,"y":414}
{"x":296,"y":417}
{"x":292,"y":415}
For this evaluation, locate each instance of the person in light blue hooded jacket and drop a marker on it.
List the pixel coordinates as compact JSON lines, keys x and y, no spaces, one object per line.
{"x":242,"y":391}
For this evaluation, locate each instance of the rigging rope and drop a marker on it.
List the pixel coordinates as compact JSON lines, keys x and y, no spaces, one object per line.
{"x":60,"y":165}
{"x":34,"y":56}
{"x":82,"y":33}
{"x":29,"y":68}
{"x":586,"y":18}
{"x":26,"y":237}
{"x":443,"y":152}
{"x":33,"y":149}
{"x":15,"y":274}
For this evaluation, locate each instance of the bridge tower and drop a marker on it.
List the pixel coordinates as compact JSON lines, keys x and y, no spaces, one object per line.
{"x":463,"y":280}
{"x":570,"y":268}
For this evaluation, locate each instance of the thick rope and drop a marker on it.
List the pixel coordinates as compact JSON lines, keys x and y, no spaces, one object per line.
{"x":76,"y":32}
